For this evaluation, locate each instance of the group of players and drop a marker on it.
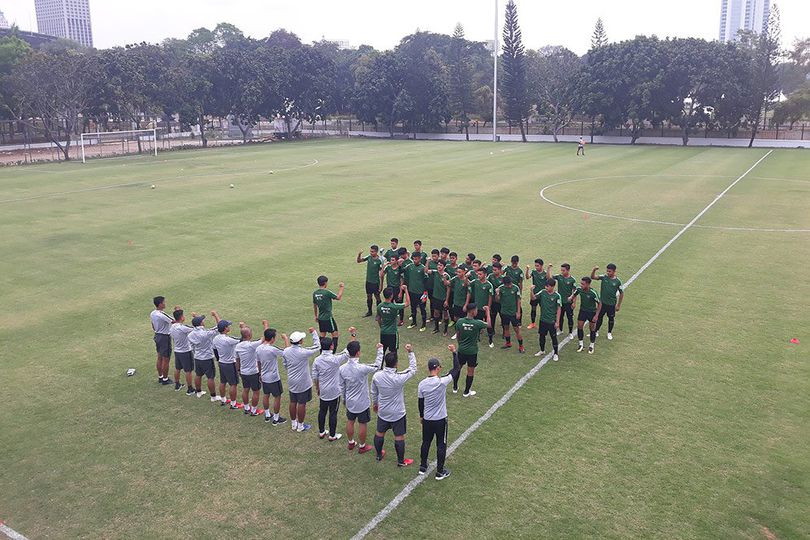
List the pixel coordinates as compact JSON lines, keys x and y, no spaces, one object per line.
{"x":468,"y":296}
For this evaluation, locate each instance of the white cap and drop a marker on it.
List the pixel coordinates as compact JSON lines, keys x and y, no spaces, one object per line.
{"x":295,"y":337}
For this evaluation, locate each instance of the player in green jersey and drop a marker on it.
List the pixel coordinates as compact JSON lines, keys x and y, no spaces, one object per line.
{"x":373,"y":266}
{"x":508,"y":296}
{"x":387,"y":314}
{"x":322,"y":304}
{"x":444,"y":254}
{"x":550,"y":308}
{"x":417,"y":248}
{"x":496,"y":279}
{"x":467,"y":264}
{"x":515,"y":272}
{"x":468,"y":329}
{"x":393,"y":250}
{"x":496,"y":259}
{"x":458,"y":285}
{"x":480,"y":293}
{"x":610,"y":287}
{"x":538,"y":277}
{"x":415,"y":278}
{"x":430,"y":269}
{"x":566,"y":283}
{"x":451,"y":268}
{"x":472,"y":272}
{"x":392,"y":272}
{"x":438,"y":296}
{"x":589,"y":308}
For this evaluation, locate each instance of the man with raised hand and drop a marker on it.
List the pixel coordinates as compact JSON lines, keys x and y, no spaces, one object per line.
{"x":202,"y":346}
{"x":373,"y":266}
{"x":325,"y":375}
{"x":299,"y":381}
{"x":566,"y":284}
{"x":322,"y":304}
{"x":393,"y":251}
{"x":388,"y":398}
{"x":225,"y":351}
{"x":538,"y":282}
{"x":432,"y":395}
{"x":468,"y":329}
{"x":162,"y":326}
{"x":610,"y":287}
{"x":508,"y":296}
{"x":183,"y":359}
{"x":267,"y":355}
{"x":589,"y":308}
{"x":550,"y":309}
{"x":353,"y":386}
{"x":387,"y":314}
{"x":249,"y":368}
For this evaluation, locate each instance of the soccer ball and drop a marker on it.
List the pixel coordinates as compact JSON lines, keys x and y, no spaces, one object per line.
{"x":153,"y":186}
{"x":271,"y":172}
{"x":231,"y":186}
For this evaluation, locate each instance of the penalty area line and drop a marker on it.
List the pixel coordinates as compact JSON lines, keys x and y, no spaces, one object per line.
{"x":413,"y":484}
{"x":11,"y":533}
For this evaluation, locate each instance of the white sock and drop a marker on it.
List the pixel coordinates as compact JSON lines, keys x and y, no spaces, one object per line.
{"x":275,"y":416}
{"x":294,"y":423}
{"x":581,"y":343}
{"x":351,"y":441}
{"x":267,"y":414}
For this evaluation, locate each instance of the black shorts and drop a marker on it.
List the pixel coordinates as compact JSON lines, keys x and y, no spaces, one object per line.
{"x":586,"y":316}
{"x":399,"y":427}
{"x":272,"y":388}
{"x":227,"y":374}
{"x":251,"y":381}
{"x":436,"y":305}
{"x":205,"y":367}
{"x":458,"y":311}
{"x":363,"y":417}
{"x":494,"y":310}
{"x":184,"y":361}
{"x":390,"y":342}
{"x":608,"y":310}
{"x":301,"y":397}
{"x":163,"y":345}
{"x":547,"y":327}
{"x":327,"y":327}
{"x":372,"y":288}
{"x":469,"y":359}
{"x":506,"y":320}
{"x":534,"y":302}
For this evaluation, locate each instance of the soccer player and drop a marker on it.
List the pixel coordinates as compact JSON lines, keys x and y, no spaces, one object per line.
{"x":392,"y":271}
{"x":183,"y":359}
{"x":373,"y":266}
{"x":415,"y":280}
{"x":249,"y":368}
{"x":444,"y":255}
{"x":495,"y":277}
{"x":459,"y":285}
{"x":589,"y":308}
{"x":417,"y":248}
{"x":566,"y":285}
{"x":610,"y":287}
{"x":496,"y":259}
{"x":325,"y":370}
{"x":480,"y":293}
{"x":430,"y":280}
{"x":451,"y":268}
{"x":472,"y":271}
{"x":202,"y":346}
{"x":267,"y":355}
{"x":468,"y":329}
{"x":581,"y":147}
{"x":393,"y":251}
{"x":322,"y":304}
{"x":387,"y":314}
{"x":467,"y":264}
{"x":162,"y":325}
{"x":432,"y":395}
{"x":508,"y":296}
{"x":388,"y":398}
{"x":550,"y":308}
{"x":515,"y":272}
{"x":353,"y":382}
{"x":225,"y":351}
{"x":299,"y":381}
{"x":539,"y":278}
{"x":439,"y":297}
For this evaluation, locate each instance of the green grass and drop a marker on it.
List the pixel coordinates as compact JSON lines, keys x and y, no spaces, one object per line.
{"x":693,"y":423}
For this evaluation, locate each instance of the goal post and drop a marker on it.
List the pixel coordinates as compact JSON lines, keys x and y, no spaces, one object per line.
{"x":101,"y":139}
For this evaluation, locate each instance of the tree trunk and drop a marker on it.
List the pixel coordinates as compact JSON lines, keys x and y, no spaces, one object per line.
{"x":522,"y":130}
{"x":685,"y":135}
{"x":467,"y":130}
{"x":202,"y":132}
{"x":754,"y":130}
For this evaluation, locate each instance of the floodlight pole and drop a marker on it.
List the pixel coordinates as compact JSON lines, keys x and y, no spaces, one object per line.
{"x":495,"y":80}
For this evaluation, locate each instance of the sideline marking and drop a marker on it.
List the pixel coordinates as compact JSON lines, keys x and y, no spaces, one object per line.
{"x":410,"y":486}
{"x":11,"y":533}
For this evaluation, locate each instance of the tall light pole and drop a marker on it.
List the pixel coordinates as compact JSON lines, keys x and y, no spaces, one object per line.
{"x":495,"y":80}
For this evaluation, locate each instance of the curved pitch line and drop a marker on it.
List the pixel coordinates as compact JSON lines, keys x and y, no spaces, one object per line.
{"x":652,"y":221}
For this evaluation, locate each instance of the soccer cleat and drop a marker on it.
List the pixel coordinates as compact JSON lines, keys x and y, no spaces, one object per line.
{"x":178,"y":386}
{"x":571,"y":335}
{"x":555,"y":357}
{"x":580,"y":347}
{"x":190,"y":392}
{"x":365,"y":448}
{"x":590,"y":348}
{"x":435,"y":331}
{"x":304,"y":427}
{"x":597,"y":333}
{"x":260,"y":411}
{"x":368,"y":314}
{"x":336,"y":437}
{"x":254,"y":413}
{"x":540,"y":353}
{"x":166,"y":382}
{"x":380,"y":456}
{"x":200,"y":394}
{"x":442,"y":475}
{"x":422,"y":469}
{"x":247,"y":409}
{"x":559,"y":331}
{"x":491,"y":345}
{"x":322,"y":435}
{"x":351,"y":445}
{"x":506,"y":346}
{"x":471,"y":393}
{"x":422,"y":329}
{"x":213,"y":398}
{"x":405,"y":462}
{"x":280,"y":421}
{"x":451,"y":324}
{"x":610,"y":336}
{"x":532,"y":326}
{"x":411,"y":326}
{"x":455,"y":390}
{"x":234,"y":407}
{"x":400,"y":323}
{"x":268,"y":419}
{"x":521,"y":349}
{"x":454,"y":336}
{"x":444,"y":334}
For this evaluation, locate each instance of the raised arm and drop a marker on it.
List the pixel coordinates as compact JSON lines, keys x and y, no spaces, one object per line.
{"x":316,"y":341}
{"x":379,"y":358}
{"x":341,"y":286}
{"x":593,"y":273}
{"x":360,"y":257}
{"x":215,"y":315}
{"x":548,"y":271}
{"x":265,"y":324}
{"x":411,"y":371}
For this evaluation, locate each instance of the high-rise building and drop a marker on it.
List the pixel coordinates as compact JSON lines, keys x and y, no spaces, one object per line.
{"x":3,"y":22}
{"x":736,"y":15}
{"x":68,"y":19}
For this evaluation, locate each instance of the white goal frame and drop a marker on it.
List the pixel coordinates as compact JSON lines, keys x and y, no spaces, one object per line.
{"x":98,"y":134}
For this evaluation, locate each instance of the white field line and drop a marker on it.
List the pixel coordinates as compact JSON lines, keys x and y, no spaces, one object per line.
{"x":11,"y":533}
{"x":410,"y":486}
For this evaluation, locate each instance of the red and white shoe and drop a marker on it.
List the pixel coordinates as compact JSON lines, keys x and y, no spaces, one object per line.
{"x":366,"y":448}
{"x":351,"y":445}
{"x":405,"y":462}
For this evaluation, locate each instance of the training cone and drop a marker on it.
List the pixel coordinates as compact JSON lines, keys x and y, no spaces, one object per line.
{"x":794,"y":341}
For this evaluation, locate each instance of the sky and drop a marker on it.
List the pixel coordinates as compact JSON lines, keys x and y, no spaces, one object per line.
{"x":382,"y":23}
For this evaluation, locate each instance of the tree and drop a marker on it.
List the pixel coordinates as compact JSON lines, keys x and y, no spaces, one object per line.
{"x":482,"y":103}
{"x":599,"y":37}
{"x":460,"y":72}
{"x":13,"y":50}
{"x":764,"y":78}
{"x":552,"y":75}
{"x":795,"y":108}
{"x":514,"y":70}
{"x":378,"y":89}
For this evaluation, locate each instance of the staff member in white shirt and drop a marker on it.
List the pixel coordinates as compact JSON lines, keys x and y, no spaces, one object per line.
{"x":162,"y":325}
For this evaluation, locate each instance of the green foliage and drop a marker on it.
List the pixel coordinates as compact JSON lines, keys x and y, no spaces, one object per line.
{"x":515,"y":91}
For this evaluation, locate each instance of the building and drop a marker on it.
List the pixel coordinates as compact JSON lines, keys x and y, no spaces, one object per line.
{"x":68,"y":19}
{"x":32,"y":38}
{"x":736,"y":15}
{"x":3,"y":22}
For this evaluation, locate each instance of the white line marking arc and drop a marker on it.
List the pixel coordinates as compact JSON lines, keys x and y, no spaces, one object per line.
{"x":11,"y":533}
{"x":410,"y":486}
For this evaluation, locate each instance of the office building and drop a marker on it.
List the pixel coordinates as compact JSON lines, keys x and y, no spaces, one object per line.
{"x":736,"y":15}
{"x":69,"y":19}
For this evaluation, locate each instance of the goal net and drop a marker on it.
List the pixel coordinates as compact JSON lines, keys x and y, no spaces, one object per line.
{"x":119,"y":143}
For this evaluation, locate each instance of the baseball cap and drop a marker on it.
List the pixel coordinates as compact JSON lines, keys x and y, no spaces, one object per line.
{"x":295,"y":337}
{"x":198,"y":320}
{"x":223,"y":324}
{"x":433,"y":363}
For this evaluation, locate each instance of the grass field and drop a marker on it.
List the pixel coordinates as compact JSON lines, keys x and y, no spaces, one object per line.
{"x":693,"y":423}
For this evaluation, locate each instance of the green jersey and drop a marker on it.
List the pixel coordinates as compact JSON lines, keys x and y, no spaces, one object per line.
{"x":373,"y":265}
{"x":588,"y":300}
{"x":439,"y":291}
{"x":393,"y":276}
{"x":432,"y":266}
{"x":549,"y":302}
{"x":467,"y":331}
{"x":565,"y":286}
{"x":481,"y":293}
{"x":496,"y":282}
{"x":389,"y":253}
{"x":415,"y":278}
{"x":609,"y":289}
{"x":538,"y":280}
{"x":388,"y":312}
{"x":510,"y":298}
{"x":459,"y":291}
{"x":323,"y":299}
{"x":515,"y":273}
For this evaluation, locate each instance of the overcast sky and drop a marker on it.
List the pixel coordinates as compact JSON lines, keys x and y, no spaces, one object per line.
{"x":382,"y":23}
